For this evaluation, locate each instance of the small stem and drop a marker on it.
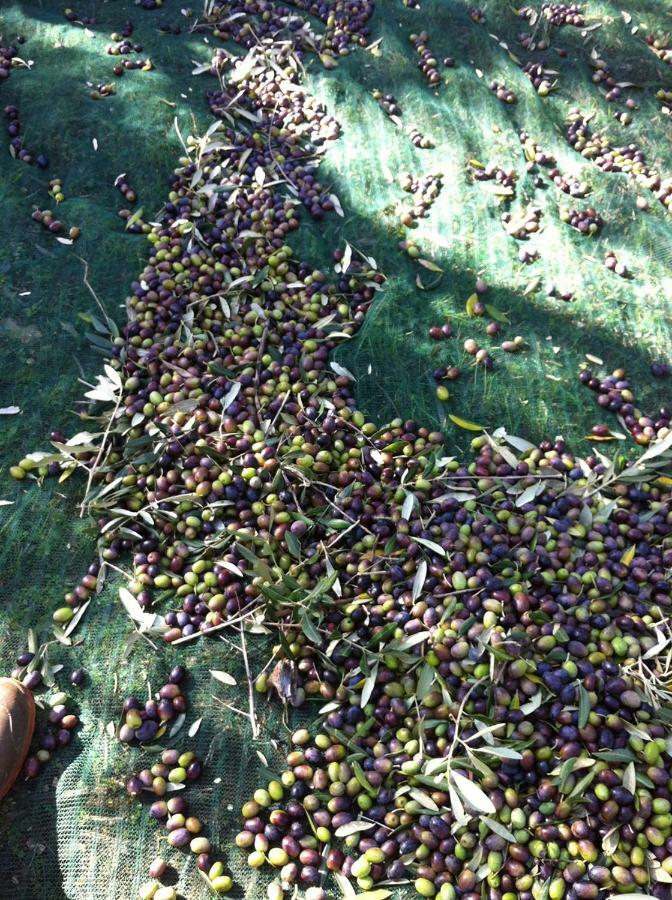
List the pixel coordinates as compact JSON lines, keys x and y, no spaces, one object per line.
{"x":250,"y":685}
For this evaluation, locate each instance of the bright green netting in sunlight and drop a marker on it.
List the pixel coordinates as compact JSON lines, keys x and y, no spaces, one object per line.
{"x":73,"y":833}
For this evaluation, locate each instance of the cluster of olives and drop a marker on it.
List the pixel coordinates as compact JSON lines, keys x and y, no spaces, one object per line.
{"x":177,"y":770}
{"x":73,"y":16}
{"x":494,"y":172}
{"x":612,"y":263}
{"x":419,"y":140}
{"x":56,"y":189}
{"x":531,"y":42}
{"x":603,"y":76}
{"x":125,"y":189}
{"x":660,"y":47}
{"x":16,"y":147}
{"x":102,"y":90}
{"x":629,"y":159}
{"x":568,"y":184}
{"x":61,"y":720}
{"x":425,"y":192}
{"x":536,"y":72}
{"x":124,"y":32}
{"x":145,"y":721}
{"x":248,"y":21}
{"x":428,"y":64}
{"x":387,"y":102}
{"x":586,"y":221}
{"x":665,"y":98}
{"x":522,"y":226}
{"x":556,"y":292}
{"x":560,"y":14}
{"x":123,"y":46}
{"x":660,"y":369}
{"x":614,"y":393}
{"x":534,"y":154}
{"x":7,"y":54}
{"x":127,"y":65}
{"x":500,"y":90}
{"x":53,"y":225}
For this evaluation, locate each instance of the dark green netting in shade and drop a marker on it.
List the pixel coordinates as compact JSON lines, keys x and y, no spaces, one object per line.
{"x":73,"y":833}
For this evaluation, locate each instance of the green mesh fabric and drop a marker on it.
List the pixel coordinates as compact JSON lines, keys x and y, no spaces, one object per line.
{"x":73,"y":833}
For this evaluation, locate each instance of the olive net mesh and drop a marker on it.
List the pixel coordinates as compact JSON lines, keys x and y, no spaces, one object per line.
{"x":73,"y":833}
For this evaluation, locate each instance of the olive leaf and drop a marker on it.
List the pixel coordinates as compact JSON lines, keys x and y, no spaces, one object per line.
{"x":631,"y":897}
{"x":107,"y":389}
{"x":629,"y":555}
{"x":341,"y":370}
{"x":135,"y":611}
{"x":309,"y":629}
{"x":347,"y":258}
{"x":657,"y":648}
{"x":230,"y":567}
{"x":428,"y":264}
{"x":485,"y":731}
{"x":346,"y":887}
{"x":470,"y":305}
{"x":581,"y":785}
{"x":177,"y":725}
{"x":293,"y":544}
{"x":170,"y":786}
{"x":408,"y":505}
{"x":465,"y":423}
{"x":661,"y":875}
{"x":423,"y":799}
{"x":530,"y":493}
{"x":193,"y":728}
{"x":353,"y":828}
{"x":610,"y":840}
{"x":532,"y":704}
{"x":419,"y":579}
{"x":378,"y":894}
{"x":230,"y":395}
{"x":472,"y":794}
{"x":457,"y":807}
{"x":431,"y":545}
{"x":615,"y":755}
{"x":499,"y":829}
{"x":369,"y":685}
{"x":584,"y":706}
{"x":358,"y":772}
{"x":501,"y":752}
{"x":630,"y":778}
{"x":137,"y":215}
{"x":425,"y":681}
{"x":497,"y":314}
{"x":338,"y":209}
{"x":224,"y":677}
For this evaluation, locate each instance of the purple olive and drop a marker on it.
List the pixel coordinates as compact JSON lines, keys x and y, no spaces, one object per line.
{"x":147,"y":731}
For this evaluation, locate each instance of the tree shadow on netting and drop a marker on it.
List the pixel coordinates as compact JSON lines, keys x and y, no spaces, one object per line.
{"x":45,"y":549}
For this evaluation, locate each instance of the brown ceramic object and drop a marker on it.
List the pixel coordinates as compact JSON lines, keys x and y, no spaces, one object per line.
{"x":17,"y":723}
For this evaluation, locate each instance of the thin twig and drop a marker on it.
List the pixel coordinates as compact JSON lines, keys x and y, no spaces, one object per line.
{"x":108,"y":320}
{"x":241,"y":712}
{"x":250,"y":685}
{"x":92,"y":470}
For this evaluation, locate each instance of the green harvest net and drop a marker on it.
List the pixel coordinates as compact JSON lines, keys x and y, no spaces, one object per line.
{"x":73,"y":833}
